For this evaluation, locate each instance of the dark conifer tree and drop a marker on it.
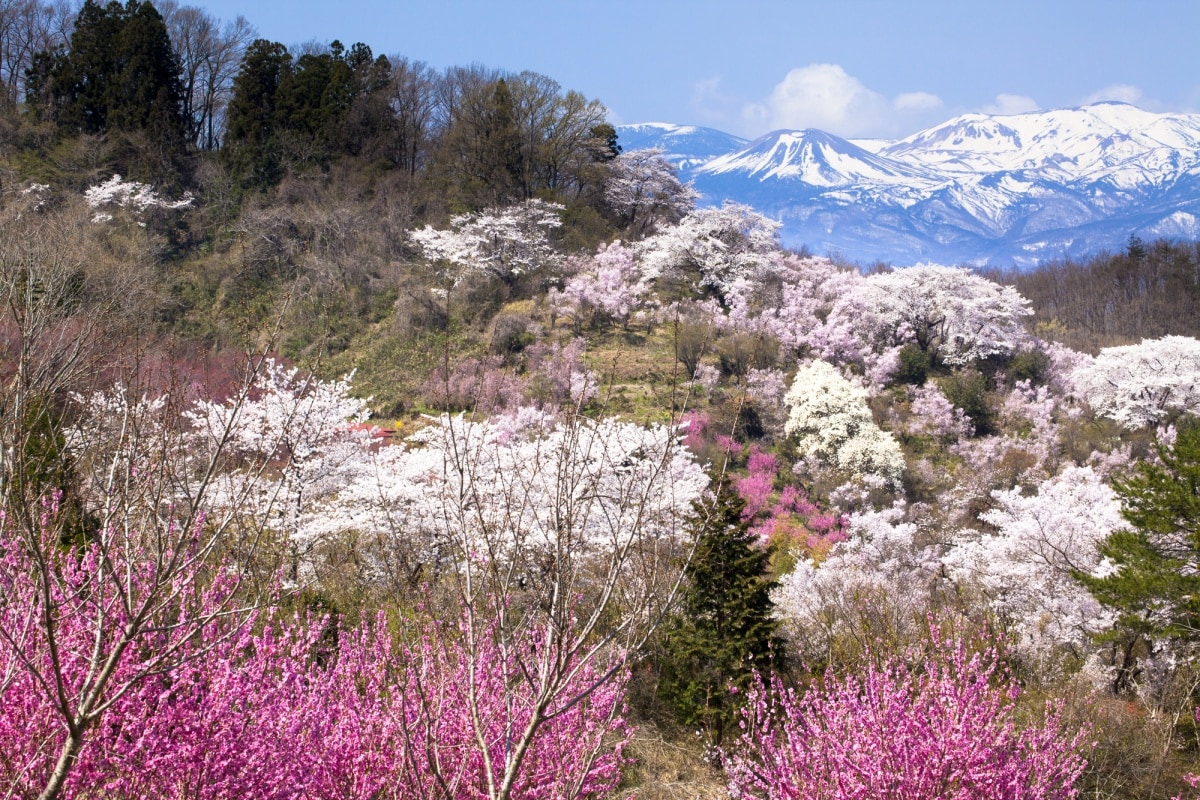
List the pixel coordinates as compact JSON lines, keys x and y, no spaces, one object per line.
{"x":724,"y":632}
{"x":121,"y":75}
{"x":500,"y":153}
{"x":253,"y":117}
{"x":1155,"y":588}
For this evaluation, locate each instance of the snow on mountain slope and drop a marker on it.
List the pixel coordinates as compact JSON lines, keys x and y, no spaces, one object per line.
{"x":686,"y":146}
{"x":819,"y":159}
{"x":1006,"y":189}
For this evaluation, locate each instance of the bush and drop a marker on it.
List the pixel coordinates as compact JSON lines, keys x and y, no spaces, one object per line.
{"x":511,"y":334}
{"x":946,"y":729}
{"x":914,"y":366}
{"x":967,"y":390}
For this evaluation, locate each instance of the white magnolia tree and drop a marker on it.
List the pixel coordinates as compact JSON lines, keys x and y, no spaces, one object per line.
{"x":1140,"y":384}
{"x":832,"y":424}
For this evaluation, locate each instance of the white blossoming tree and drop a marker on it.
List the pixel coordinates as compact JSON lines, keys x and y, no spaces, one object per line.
{"x":505,"y":242}
{"x":875,"y":586}
{"x":137,"y":198}
{"x":948,"y":312}
{"x":832,"y":424}
{"x":1024,"y":569}
{"x":643,"y":188}
{"x":719,"y":244}
{"x":1140,"y":384}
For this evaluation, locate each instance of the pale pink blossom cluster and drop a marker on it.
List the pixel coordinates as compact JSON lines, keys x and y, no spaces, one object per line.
{"x":607,"y":288}
{"x":130,"y":195}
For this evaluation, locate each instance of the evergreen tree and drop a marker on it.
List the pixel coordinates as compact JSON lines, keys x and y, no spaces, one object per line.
{"x":725,"y":632}
{"x":1155,"y":588}
{"x":120,"y":74}
{"x":606,"y":147}
{"x":500,"y":161}
{"x":252,"y":119}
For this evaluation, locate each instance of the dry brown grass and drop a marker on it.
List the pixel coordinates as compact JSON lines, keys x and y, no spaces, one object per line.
{"x":667,"y":768}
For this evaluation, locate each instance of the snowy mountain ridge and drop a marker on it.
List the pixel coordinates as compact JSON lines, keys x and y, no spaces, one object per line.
{"x":975,"y":189}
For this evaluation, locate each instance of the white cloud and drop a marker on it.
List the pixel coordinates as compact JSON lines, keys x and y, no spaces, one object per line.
{"x":825,"y":96}
{"x":1122,"y":92}
{"x":1007,"y":104}
{"x":917,"y":101}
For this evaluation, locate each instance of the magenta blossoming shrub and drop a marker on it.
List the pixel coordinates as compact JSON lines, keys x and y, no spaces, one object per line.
{"x":207,"y":704}
{"x":935,"y":725}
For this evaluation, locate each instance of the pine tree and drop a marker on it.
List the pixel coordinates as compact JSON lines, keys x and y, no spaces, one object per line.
{"x":724,"y":632}
{"x":1155,"y":588}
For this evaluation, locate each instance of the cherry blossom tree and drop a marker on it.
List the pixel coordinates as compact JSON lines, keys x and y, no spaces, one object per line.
{"x":949,"y":312}
{"x":314,"y":435}
{"x":505,"y":242}
{"x":876,"y":585}
{"x":943,"y":730}
{"x":717,"y":245}
{"x":934,"y":415}
{"x":789,"y":298}
{"x":1140,"y":384}
{"x":568,"y":531}
{"x":832,"y":425}
{"x":608,"y":288}
{"x":137,"y":198}
{"x":643,"y":188}
{"x":1025,"y":568}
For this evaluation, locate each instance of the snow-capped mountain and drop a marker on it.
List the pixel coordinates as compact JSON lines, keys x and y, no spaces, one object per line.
{"x":977,"y":188}
{"x":687,"y":146}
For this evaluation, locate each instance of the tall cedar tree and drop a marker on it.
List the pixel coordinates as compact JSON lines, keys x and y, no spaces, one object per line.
{"x":1155,"y":587}
{"x":252,"y":117}
{"x":297,"y":114}
{"x":120,"y":74}
{"x":725,"y":632}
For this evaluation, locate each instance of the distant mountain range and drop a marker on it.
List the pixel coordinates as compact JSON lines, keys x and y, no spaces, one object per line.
{"x":976,"y":189}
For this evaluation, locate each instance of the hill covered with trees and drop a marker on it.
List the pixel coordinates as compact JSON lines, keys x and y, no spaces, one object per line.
{"x":376,"y":431}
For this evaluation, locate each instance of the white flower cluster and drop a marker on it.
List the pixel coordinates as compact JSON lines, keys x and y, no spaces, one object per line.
{"x":505,"y":241}
{"x":130,"y":195}
{"x":1025,"y":567}
{"x":832,"y":423}
{"x":1139,"y":384}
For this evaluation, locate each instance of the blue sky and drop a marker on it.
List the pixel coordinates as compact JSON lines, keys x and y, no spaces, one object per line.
{"x":850,"y":67}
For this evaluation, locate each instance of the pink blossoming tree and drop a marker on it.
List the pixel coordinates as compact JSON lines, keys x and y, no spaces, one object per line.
{"x":946,"y":729}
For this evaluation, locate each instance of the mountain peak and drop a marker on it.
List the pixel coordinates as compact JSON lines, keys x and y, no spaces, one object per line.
{"x":979,"y":187}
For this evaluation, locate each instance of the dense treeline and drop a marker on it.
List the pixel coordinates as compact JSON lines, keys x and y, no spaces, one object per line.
{"x":1146,"y":291}
{"x":149,"y":90}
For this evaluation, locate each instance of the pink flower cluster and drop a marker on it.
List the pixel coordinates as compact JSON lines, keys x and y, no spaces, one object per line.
{"x":787,"y":518}
{"x":938,"y":724}
{"x":257,"y":706}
